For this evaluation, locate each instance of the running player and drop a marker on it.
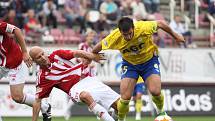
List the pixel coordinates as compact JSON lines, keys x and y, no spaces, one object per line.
{"x":12,"y":58}
{"x":140,"y":58}
{"x":137,"y":94}
{"x":57,"y":71}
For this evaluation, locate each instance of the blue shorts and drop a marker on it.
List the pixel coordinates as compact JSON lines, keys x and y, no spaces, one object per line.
{"x":144,"y":70}
{"x":139,"y":88}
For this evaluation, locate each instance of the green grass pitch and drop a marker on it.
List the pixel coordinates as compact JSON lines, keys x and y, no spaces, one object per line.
{"x":86,"y":118}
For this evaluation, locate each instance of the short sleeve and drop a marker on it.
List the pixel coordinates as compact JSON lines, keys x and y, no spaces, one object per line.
{"x":148,"y":27}
{"x":109,"y":42}
{"x":65,"y":54}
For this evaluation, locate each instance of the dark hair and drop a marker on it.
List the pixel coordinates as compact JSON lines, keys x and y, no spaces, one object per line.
{"x":125,"y":24}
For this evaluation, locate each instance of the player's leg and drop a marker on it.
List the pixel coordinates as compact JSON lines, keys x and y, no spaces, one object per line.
{"x":17,"y":86}
{"x":96,"y":108}
{"x":138,"y":106}
{"x":67,"y":114}
{"x":138,"y":91}
{"x":154,"y":87}
{"x":105,"y":96}
{"x":126,"y":89}
{"x":127,"y":84}
{"x":151,"y":73}
{"x":0,"y":118}
{"x":81,"y":92}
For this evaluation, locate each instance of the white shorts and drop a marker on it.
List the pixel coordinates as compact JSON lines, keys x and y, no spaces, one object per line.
{"x":100,"y":92}
{"x":16,"y":75}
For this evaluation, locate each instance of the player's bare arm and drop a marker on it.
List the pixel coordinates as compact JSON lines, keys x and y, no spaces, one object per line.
{"x":36,"y":109}
{"x":164,"y":26}
{"x":18,"y":34}
{"x":87,"y":55}
{"x":97,"y":48}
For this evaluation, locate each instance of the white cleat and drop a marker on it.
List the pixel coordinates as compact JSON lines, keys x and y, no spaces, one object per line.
{"x":67,"y":116}
{"x":138,"y":116}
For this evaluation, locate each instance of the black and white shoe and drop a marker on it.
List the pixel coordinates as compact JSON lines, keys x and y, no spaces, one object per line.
{"x":47,"y":114}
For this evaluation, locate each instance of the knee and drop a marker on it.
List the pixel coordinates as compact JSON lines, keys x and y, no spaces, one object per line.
{"x":84,"y":96}
{"x":155,"y":91}
{"x":126,"y":95}
{"x":18,"y":98}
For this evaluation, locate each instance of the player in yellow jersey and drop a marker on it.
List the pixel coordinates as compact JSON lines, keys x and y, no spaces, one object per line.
{"x":140,"y":58}
{"x":137,"y":94}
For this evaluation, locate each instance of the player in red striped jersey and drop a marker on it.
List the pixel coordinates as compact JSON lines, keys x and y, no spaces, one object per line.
{"x":12,"y":58}
{"x":57,"y":71}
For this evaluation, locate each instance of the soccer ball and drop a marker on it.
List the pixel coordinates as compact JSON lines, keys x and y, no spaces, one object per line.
{"x":163,"y":118}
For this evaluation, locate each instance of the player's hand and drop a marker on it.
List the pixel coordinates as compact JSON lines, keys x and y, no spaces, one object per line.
{"x":98,"y":57}
{"x":27,"y":59}
{"x":179,"y":38}
{"x":86,"y":61}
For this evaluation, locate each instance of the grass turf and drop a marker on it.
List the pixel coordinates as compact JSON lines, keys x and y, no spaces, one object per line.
{"x":86,"y":118}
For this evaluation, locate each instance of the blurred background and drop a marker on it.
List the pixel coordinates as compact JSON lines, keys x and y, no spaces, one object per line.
{"x":187,"y":70}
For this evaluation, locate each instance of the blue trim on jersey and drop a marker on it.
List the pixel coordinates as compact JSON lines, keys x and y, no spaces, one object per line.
{"x":144,"y":70}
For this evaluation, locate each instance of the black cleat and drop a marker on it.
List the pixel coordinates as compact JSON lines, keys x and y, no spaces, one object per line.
{"x":47,"y":114}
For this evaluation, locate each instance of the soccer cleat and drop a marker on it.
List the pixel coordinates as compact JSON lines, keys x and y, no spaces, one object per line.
{"x":163,"y":117}
{"x":67,"y":116}
{"x":121,"y":120}
{"x":47,"y":114}
{"x":162,"y":113}
{"x":138,"y":116}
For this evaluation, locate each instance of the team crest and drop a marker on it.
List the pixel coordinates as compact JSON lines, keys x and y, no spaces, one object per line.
{"x":140,"y":39}
{"x":156,"y":66}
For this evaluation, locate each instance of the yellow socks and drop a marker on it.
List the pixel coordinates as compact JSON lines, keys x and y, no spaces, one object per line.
{"x":138,"y":105}
{"x":159,"y":102}
{"x":123,"y":108}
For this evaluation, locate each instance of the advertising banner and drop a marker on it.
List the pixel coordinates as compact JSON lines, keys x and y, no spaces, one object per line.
{"x":176,"y":65}
{"x":58,"y":100}
{"x":179,"y":100}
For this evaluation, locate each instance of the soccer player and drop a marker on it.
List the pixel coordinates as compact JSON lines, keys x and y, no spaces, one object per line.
{"x":140,"y":58}
{"x":56,"y":70}
{"x":86,"y":46}
{"x":12,"y":57}
{"x":137,"y":94}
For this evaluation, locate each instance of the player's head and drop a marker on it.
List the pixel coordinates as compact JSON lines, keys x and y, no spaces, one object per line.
{"x":38,"y":56}
{"x":90,"y":36}
{"x":126,"y":27}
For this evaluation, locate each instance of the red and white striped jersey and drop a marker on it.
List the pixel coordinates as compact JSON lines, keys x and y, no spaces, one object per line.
{"x":84,"y":46}
{"x":10,"y":52}
{"x":62,"y":70}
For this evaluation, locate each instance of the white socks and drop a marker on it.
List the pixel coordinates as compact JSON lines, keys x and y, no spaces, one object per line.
{"x":29,"y":99}
{"x":101,"y":112}
{"x":44,"y":105}
{"x":69,"y":106}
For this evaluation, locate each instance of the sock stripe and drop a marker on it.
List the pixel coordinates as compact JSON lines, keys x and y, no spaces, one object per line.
{"x":24,"y":98}
{"x":92,"y":105}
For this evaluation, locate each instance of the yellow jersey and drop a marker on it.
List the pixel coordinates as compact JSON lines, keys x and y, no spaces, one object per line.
{"x":140,"y":48}
{"x":140,"y":80}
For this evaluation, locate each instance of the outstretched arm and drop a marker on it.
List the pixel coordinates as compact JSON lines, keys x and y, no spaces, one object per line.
{"x":21,"y":41}
{"x":97,"y":48}
{"x":88,"y":55}
{"x":36,"y":109}
{"x":164,"y":26}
